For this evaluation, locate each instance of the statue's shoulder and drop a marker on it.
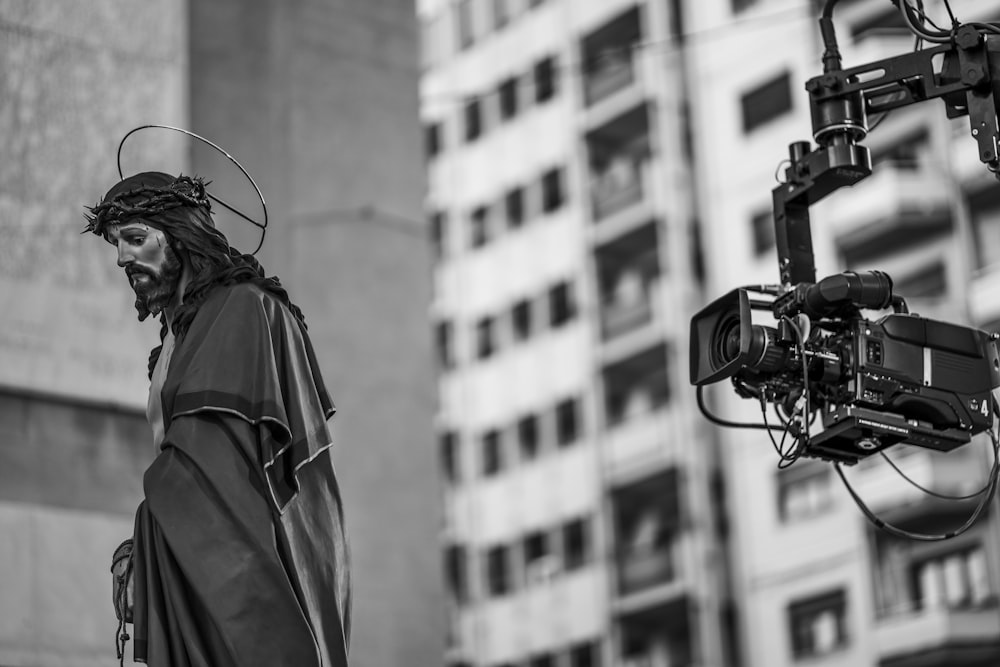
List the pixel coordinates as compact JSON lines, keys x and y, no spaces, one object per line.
{"x":247,"y":300}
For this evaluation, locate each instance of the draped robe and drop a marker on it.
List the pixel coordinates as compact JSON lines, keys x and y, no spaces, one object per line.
{"x":241,"y":555}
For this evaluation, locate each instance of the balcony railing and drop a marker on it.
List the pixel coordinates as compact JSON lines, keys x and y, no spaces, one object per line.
{"x":620,"y":317}
{"x":882,"y":487}
{"x":937,"y":627}
{"x":617,"y":187}
{"x":641,"y":569}
{"x":610,"y":74}
{"x":877,"y":204}
{"x":640,"y":441}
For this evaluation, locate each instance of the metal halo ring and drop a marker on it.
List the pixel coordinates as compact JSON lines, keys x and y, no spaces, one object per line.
{"x":261,"y":226}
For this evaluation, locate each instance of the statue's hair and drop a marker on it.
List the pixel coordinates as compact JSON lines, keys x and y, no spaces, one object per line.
{"x":180,"y":208}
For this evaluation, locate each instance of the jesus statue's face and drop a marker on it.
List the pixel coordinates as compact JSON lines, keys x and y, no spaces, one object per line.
{"x":152,"y":266}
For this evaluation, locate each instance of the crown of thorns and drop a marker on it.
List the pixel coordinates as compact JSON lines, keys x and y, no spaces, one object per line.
{"x":146,"y":201}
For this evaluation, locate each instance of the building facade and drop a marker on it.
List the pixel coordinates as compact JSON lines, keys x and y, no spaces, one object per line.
{"x":598,"y":171}
{"x":582,"y":514}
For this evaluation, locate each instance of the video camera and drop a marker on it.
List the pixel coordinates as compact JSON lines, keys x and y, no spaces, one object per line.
{"x":874,"y":382}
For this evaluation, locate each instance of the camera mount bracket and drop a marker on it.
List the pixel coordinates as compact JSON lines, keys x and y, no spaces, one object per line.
{"x":840,"y":101}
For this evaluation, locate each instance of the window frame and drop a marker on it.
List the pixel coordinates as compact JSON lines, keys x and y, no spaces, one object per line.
{"x":766,"y":102}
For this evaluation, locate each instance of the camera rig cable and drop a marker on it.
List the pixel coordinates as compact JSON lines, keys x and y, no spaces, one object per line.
{"x":987,"y":492}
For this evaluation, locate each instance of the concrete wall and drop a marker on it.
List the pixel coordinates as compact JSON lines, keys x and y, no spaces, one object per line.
{"x":319,"y":102}
{"x":74,"y":78}
{"x":70,"y":478}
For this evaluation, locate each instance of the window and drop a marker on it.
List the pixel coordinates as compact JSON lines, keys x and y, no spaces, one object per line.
{"x":485,"y":344}
{"x":585,"y":654}
{"x":498,"y":580}
{"x":552,"y":190}
{"x":456,"y":573}
{"x":545,"y":79}
{"x":766,"y":102}
{"x":508,"y":98}
{"x":527,"y":436}
{"x":450,"y":464}
{"x":473,"y":119}
{"x":501,"y":13}
{"x":536,"y":548}
{"x":445,"y":345}
{"x":804,"y":491}
{"x":466,"y":36}
{"x":928,"y":282}
{"x":561,"y":306}
{"x":955,"y":581}
{"x":542,"y":659}
{"x":514,"y":207}
{"x":985,"y":212}
{"x":818,"y":625}
{"x":884,"y":21}
{"x":567,"y":422}
{"x":762,"y":226}
{"x":906,"y":154}
{"x":521,"y":320}
{"x":740,"y":5}
{"x":492,"y":453}
{"x":479,"y":221}
{"x":432,"y":139}
{"x":576,"y":544}
{"x":439,"y":233}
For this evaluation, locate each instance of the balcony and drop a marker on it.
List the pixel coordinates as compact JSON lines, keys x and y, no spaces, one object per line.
{"x":618,"y":153}
{"x":659,"y":636}
{"x":617,"y":187}
{"x":620,"y":317}
{"x":646,"y":524}
{"x":628,"y":271}
{"x":645,"y":568}
{"x":958,"y":472}
{"x":607,"y":74}
{"x":877,"y":44}
{"x":940,"y":637}
{"x":895,"y":202}
{"x":636,"y":385}
{"x":609,"y":57}
{"x":642,"y":442}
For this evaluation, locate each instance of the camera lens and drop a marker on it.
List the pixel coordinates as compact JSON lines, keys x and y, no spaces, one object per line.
{"x":726,"y":342}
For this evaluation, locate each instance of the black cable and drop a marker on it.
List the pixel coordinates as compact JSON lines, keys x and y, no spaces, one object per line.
{"x":914,"y":21}
{"x":942,"y":496}
{"x":786,"y":457}
{"x":831,"y":53}
{"x":918,"y":41}
{"x":986,"y":27}
{"x":906,"y":534}
{"x":951,"y":15}
{"x":724,"y":422}
{"x":922,"y":15}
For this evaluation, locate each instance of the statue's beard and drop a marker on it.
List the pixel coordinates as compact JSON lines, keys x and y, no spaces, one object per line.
{"x":153,"y":289}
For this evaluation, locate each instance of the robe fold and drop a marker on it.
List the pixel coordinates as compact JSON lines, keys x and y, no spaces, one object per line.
{"x":240,"y":553}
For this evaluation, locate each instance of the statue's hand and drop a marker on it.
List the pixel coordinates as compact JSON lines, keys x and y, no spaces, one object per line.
{"x":123,"y":585}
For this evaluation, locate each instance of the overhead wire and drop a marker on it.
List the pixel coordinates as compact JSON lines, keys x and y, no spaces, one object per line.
{"x":673,"y":43}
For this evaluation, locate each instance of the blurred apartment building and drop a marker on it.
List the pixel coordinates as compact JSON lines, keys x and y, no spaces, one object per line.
{"x":598,"y":171}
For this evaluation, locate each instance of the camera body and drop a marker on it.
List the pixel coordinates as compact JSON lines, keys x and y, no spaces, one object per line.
{"x":875,"y":383}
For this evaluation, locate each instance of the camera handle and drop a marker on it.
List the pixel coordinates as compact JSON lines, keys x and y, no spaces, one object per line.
{"x":841,"y":99}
